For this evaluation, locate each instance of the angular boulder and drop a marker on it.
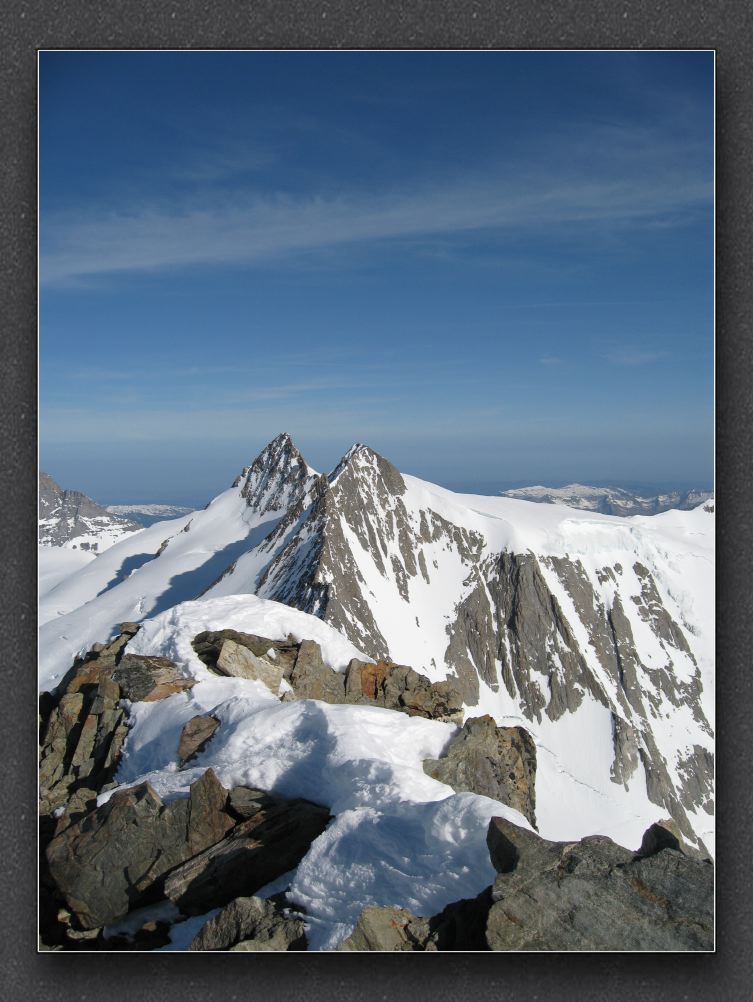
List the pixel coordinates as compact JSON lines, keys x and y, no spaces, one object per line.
{"x":104,"y":863}
{"x":595,"y":895}
{"x":147,"y":678}
{"x":311,"y":678}
{"x":496,"y":762}
{"x":282,"y":653}
{"x":251,"y":924}
{"x":257,"y":851}
{"x":238,"y":661}
{"x":195,"y":735}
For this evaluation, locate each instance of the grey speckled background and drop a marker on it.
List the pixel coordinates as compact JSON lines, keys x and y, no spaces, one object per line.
{"x":26,"y":26}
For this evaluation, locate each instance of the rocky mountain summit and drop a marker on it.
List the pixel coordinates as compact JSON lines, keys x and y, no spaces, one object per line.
{"x":71,"y":519}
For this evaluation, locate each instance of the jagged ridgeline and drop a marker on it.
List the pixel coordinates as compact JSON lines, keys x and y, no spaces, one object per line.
{"x":594,"y":632}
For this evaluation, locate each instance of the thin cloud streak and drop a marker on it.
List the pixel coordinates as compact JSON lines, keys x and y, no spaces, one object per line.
{"x":632,"y":357}
{"x":262,"y":230}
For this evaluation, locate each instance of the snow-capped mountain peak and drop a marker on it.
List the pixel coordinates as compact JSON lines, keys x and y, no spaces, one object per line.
{"x":277,"y":478}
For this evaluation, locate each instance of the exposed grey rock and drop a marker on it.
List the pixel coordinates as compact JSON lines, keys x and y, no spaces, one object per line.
{"x":496,"y":762}
{"x":239,"y":662}
{"x":195,"y":735}
{"x":313,"y":679}
{"x":251,"y":924}
{"x":595,"y":895}
{"x":145,"y":678}
{"x":107,"y":861}
{"x":257,"y":851}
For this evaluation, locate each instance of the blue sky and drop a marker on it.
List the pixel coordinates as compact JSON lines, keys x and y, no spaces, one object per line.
{"x":491,"y":267}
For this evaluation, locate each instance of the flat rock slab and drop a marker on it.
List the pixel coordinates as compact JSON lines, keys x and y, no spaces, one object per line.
{"x":195,"y":735}
{"x":251,"y":924}
{"x":257,"y":851}
{"x":238,"y":661}
{"x":145,"y":678}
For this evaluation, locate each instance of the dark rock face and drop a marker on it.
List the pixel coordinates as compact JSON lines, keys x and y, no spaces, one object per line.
{"x":251,"y":924}
{"x":195,"y":735}
{"x":595,"y":895}
{"x":497,"y":762}
{"x":257,"y":851}
{"x":145,"y":678}
{"x":105,"y":863}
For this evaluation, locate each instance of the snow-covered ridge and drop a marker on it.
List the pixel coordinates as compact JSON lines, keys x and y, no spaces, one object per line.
{"x":595,"y":632}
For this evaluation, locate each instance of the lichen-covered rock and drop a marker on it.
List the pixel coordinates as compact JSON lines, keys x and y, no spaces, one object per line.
{"x":146,"y":678}
{"x":238,"y":661}
{"x":104,"y":863}
{"x":195,"y":734}
{"x":251,"y":924}
{"x":596,"y":895}
{"x":496,"y":762}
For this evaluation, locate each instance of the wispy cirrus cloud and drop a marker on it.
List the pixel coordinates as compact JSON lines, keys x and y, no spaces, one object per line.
{"x":252,"y":231}
{"x":634,"y":356}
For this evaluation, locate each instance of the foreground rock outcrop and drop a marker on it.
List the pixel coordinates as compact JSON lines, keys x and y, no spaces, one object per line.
{"x":586,"y":895}
{"x":596,"y":895}
{"x":496,"y":762}
{"x":200,"y":852}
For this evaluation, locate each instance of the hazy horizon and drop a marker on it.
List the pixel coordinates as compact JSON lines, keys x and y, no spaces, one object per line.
{"x":490,"y":267}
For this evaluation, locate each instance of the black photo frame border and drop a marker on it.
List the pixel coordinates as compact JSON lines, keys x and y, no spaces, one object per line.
{"x":26,"y":27}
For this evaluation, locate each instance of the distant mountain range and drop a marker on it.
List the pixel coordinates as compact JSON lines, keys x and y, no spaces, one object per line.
{"x":611,"y":500}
